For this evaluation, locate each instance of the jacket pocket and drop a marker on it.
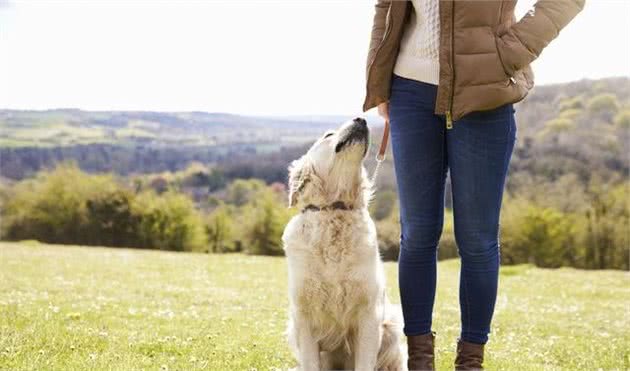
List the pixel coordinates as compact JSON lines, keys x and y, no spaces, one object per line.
{"x":507,"y":71}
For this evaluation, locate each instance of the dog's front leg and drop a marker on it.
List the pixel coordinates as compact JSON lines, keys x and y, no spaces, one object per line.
{"x":308,"y":348}
{"x":368,"y":342}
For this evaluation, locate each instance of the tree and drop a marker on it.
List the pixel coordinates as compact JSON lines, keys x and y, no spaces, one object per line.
{"x":220,"y":230}
{"x":266,"y":218}
{"x":242,"y":191}
{"x":533,"y":234}
{"x":111,"y":220}
{"x":605,"y":102}
{"x":52,"y":207}
{"x":169,"y":222}
{"x":622,"y":119}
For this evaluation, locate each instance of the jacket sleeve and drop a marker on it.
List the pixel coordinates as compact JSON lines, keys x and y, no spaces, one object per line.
{"x":523,"y":42}
{"x":378,"y":27}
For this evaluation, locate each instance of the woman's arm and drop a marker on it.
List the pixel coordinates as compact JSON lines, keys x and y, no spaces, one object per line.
{"x":378,"y":27}
{"x":524,"y":41}
{"x":378,"y":31}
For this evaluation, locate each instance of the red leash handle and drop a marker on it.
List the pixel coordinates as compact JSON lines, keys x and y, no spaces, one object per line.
{"x":380,"y":156}
{"x":383,"y":148}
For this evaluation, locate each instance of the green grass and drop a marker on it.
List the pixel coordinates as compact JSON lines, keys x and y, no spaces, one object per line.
{"x":115,"y":309}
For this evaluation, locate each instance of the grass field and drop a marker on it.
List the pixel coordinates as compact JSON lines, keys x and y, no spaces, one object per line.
{"x":70,"y":308}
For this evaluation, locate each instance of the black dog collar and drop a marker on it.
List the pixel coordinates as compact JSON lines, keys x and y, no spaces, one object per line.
{"x":337,"y":205}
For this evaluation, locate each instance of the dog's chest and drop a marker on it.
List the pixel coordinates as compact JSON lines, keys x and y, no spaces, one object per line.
{"x":332,"y":300}
{"x":333,"y":262}
{"x":332,"y":241}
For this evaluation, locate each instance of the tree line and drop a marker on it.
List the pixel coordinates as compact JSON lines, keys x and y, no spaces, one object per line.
{"x":68,"y":206}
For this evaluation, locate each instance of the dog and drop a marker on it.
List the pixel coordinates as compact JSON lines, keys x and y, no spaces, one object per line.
{"x":339,"y":313}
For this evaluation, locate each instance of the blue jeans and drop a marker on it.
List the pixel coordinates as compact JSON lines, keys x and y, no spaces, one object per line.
{"x":477,"y":151}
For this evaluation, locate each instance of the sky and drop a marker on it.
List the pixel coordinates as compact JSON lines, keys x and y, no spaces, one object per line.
{"x":255,"y":57}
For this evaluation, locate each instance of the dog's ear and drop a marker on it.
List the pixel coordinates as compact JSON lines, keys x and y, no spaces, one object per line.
{"x":299,"y":176}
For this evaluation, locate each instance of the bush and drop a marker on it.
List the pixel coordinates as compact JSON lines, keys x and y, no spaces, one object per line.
{"x":67,"y":206}
{"x":571,"y":103}
{"x":242,"y":191}
{"x":559,"y":125}
{"x":169,"y":222}
{"x":265,"y":218}
{"x":53,"y":207}
{"x":220,"y":229}
{"x":606,"y":231}
{"x":622,"y":119}
{"x":605,"y":102}
{"x":111,"y":220}
{"x":571,"y":114}
{"x":533,"y":234}
{"x":388,"y":231}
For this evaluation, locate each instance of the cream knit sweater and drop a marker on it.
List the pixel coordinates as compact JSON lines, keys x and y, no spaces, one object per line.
{"x":418,"y":57}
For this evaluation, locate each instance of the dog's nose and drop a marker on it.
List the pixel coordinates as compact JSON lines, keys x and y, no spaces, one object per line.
{"x":360,"y":121}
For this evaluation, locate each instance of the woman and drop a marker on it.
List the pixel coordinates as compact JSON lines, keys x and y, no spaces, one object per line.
{"x":446,"y":74}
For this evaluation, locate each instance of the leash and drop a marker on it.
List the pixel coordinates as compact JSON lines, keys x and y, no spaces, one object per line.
{"x":380,"y":156}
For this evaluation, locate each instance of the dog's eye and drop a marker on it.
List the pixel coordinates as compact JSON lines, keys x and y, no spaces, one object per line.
{"x":327,"y":135}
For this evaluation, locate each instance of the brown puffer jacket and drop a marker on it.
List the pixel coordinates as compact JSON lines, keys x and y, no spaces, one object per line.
{"x":485,"y":54}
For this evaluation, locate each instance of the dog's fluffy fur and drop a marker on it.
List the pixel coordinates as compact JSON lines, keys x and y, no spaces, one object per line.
{"x":339,"y":315}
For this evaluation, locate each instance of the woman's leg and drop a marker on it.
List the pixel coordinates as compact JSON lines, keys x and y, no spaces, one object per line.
{"x":418,"y":144}
{"x":479,"y":149}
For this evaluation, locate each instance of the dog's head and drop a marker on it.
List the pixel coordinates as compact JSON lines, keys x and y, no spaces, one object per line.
{"x":332,"y":169}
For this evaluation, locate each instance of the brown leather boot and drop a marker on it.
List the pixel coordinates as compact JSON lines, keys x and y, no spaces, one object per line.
{"x":421,"y":350}
{"x":469,"y":356}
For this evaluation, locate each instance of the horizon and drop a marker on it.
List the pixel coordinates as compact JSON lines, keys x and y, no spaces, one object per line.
{"x":370,"y":113}
{"x":195,"y":64}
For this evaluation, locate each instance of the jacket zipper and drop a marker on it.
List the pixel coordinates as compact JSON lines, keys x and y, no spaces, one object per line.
{"x":388,"y":28}
{"x":449,"y":112}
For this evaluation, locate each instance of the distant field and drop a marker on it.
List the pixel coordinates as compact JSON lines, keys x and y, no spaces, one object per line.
{"x":71,"y":308}
{"x":71,"y":127}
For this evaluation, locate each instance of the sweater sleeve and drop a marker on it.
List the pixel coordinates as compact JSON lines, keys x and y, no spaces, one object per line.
{"x":523,"y":42}
{"x":378,"y":27}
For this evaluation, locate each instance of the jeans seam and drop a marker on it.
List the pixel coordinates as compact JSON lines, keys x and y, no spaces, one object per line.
{"x":467,"y":327}
{"x":442,"y":182}
{"x":506,"y":164}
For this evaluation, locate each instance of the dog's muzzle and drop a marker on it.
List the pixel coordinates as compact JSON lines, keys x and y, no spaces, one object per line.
{"x":357,"y":132}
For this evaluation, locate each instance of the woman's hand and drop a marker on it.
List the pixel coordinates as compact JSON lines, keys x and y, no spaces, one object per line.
{"x":383,"y":110}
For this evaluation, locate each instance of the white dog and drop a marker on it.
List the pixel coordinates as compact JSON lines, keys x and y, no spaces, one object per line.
{"x":339,"y":315}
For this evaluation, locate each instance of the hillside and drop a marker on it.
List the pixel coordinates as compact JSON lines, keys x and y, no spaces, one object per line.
{"x":101,"y":309}
{"x":144,"y":142}
{"x":583,"y":124}
{"x":574,"y":128}
{"x":71,"y":127}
